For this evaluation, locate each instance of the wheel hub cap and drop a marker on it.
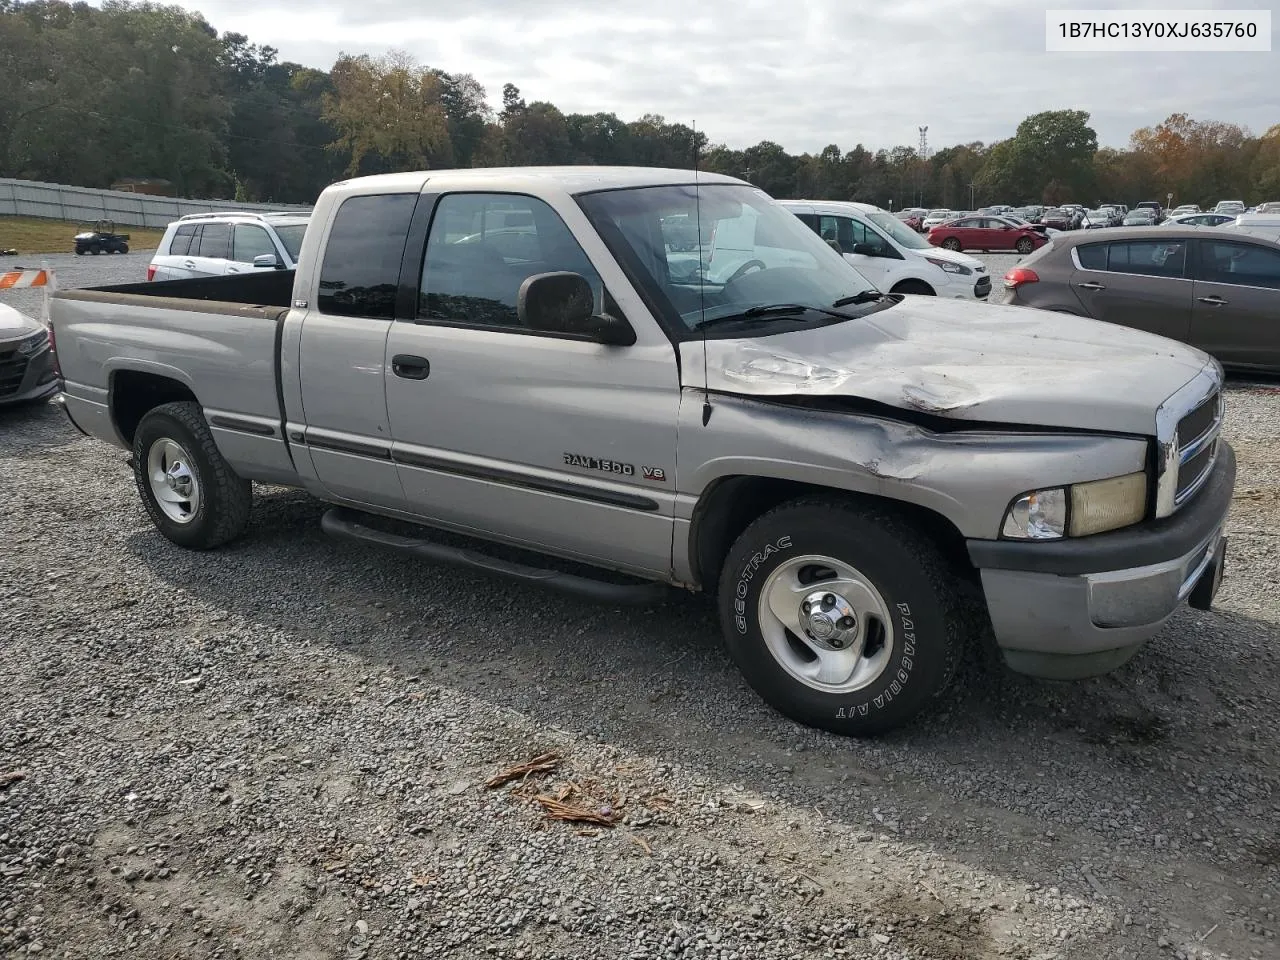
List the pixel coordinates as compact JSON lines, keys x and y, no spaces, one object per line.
{"x":829,"y":619}
{"x":178,"y":478}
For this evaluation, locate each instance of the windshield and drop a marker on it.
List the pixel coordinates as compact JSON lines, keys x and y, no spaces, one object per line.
{"x":903,"y":235}
{"x":939,"y":214}
{"x":749,"y":251}
{"x":291,"y":236}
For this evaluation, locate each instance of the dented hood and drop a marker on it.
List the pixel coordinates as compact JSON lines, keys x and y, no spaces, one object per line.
{"x":968,"y":361}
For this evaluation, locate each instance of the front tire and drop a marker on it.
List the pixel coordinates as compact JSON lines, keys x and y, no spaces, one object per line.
{"x":918,"y":287}
{"x":1024,"y":246}
{"x":842,"y":616}
{"x":191,"y":493}
{"x":951,"y":243}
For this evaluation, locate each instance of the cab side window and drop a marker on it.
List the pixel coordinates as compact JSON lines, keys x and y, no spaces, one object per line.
{"x":481,"y":249}
{"x":361,"y":267}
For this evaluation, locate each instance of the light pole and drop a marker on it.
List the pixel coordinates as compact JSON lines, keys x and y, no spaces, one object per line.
{"x":970,"y":195}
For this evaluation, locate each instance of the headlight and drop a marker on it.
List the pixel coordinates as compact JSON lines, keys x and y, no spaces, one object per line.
{"x":1078,"y":510}
{"x":34,"y":342}
{"x":950,"y":267}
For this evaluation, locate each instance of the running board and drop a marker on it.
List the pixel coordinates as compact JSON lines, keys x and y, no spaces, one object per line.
{"x":345,"y":525}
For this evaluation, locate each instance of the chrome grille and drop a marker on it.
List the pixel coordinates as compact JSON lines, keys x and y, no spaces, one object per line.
{"x":1197,"y":440}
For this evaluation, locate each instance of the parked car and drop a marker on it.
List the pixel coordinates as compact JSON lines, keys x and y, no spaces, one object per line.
{"x":1214,"y":288}
{"x":889,"y":254}
{"x":986,"y":234}
{"x":214,"y":244}
{"x":1157,"y":211}
{"x":1231,"y":207}
{"x":912,"y":219}
{"x":26,"y":364}
{"x":1139,"y":217}
{"x":1184,"y":209}
{"x":1057,"y":218}
{"x":1271,"y":206}
{"x":1259,"y":224}
{"x":1199,"y":220}
{"x":840,"y":467}
{"x":1096,"y":219}
{"x":936,"y":217}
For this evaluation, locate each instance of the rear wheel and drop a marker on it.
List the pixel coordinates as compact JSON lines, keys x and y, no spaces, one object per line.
{"x":123,"y":248}
{"x":918,"y":287}
{"x":191,"y":493}
{"x":951,"y":243}
{"x":840,"y":615}
{"x":1024,"y":246}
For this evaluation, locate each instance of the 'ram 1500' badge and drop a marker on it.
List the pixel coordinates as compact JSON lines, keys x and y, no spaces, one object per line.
{"x":596,"y":463}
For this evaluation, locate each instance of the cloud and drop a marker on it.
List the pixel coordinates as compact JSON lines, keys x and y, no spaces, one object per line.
{"x":827,"y":71}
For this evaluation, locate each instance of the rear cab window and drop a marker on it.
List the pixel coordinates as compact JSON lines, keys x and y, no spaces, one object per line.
{"x":360,"y":272}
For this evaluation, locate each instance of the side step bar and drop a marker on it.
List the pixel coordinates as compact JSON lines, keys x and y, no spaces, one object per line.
{"x":345,"y":525}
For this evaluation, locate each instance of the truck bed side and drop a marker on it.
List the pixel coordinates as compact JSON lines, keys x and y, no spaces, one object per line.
{"x":124,"y":348}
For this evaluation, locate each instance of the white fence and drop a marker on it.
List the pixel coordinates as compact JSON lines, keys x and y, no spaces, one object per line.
{"x":51,"y":201}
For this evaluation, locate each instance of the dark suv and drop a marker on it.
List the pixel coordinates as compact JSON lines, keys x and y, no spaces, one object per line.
{"x":1216,"y":289}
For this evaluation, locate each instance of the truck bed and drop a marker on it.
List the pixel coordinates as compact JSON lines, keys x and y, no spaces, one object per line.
{"x":216,"y":339}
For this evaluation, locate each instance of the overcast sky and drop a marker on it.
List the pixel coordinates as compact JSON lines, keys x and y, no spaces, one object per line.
{"x":803,"y":74}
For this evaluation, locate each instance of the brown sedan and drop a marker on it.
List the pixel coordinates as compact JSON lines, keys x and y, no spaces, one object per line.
{"x":1216,"y":289}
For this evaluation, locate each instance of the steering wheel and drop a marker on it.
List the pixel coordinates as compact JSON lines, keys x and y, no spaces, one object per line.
{"x":745,"y":268}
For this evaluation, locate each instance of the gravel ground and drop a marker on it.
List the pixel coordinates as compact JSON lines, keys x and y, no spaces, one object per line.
{"x":279,"y":749}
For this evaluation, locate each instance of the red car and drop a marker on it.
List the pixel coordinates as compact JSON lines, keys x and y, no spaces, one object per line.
{"x":987,"y":233}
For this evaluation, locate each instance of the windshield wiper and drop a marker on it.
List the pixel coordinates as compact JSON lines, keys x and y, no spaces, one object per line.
{"x":866,"y":296}
{"x":768,"y":312}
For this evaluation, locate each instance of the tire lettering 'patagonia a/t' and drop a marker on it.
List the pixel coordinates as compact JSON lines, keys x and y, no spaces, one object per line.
{"x":904,"y":669}
{"x":744,"y":581}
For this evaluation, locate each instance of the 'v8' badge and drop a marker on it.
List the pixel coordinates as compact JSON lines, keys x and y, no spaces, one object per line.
{"x":654,"y":473}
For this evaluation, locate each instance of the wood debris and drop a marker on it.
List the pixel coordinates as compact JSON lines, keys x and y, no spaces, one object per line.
{"x":12,"y":777}
{"x":540,"y":764}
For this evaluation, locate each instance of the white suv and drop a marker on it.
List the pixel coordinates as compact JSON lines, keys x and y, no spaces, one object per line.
{"x":214,"y":244}
{"x":890,"y":254}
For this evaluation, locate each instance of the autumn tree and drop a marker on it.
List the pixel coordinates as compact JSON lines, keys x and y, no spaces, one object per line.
{"x":388,"y":112}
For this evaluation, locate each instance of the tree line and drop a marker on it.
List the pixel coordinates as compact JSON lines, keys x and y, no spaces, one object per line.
{"x":96,"y":94}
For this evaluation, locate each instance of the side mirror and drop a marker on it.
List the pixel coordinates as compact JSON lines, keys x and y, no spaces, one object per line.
{"x":562,"y":302}
{"x":1006,"y":226}
{"x":267,"y":261}
{"x":866,"y":250}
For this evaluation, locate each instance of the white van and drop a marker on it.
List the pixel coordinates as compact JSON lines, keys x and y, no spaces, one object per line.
{"x":890,"y":254}
{"x":216,"y":244}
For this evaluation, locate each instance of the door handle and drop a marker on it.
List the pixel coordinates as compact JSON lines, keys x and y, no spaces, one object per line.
{"x":188,"y":263}
{"x":1090,"y":285}
{"x":409,"y":367}
{"x":233,"y":269}
{"x":1213,"y":301}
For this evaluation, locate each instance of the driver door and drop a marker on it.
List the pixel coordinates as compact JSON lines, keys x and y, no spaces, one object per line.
{"x":526,"y":436}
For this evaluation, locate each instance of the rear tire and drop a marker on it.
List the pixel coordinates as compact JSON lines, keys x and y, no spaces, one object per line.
{"x":918,"y":287}
{"x":191,"y":493}
{"x":1024,"y":246}
{"x":951,"y":243}
{"x":899,"y":632}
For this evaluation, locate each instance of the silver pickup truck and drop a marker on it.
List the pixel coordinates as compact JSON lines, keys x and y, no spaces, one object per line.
{"x":519,"y":356}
